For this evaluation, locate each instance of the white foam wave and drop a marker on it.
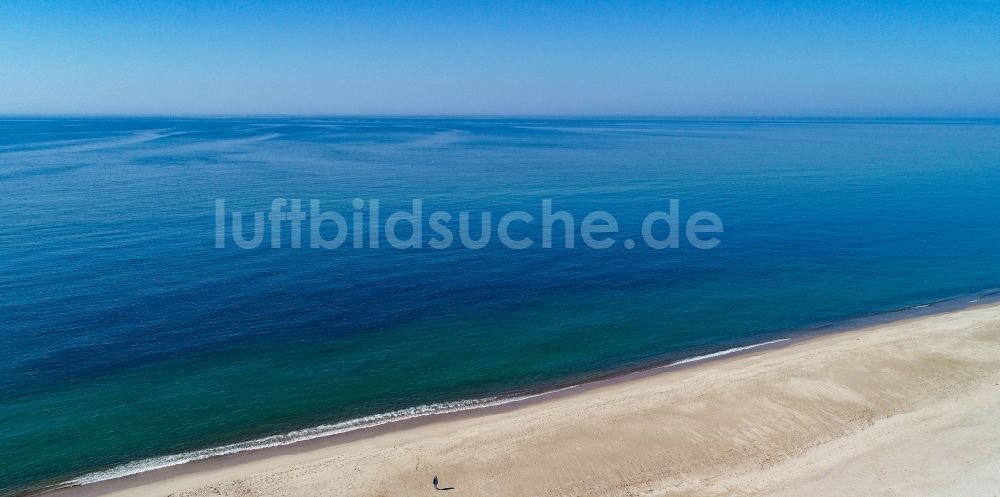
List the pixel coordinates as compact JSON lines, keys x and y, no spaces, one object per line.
{"x":144,"y":465}
{"x":154,"y":463}
{"x":725,"y":352}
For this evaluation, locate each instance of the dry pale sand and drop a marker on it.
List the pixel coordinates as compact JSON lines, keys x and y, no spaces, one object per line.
{"x":909,"y":408}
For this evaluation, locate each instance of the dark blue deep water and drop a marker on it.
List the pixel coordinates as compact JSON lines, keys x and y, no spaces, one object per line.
{"x":126,"y":335}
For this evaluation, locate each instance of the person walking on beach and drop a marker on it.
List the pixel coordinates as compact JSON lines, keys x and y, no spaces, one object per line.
{"x":435,"y":481}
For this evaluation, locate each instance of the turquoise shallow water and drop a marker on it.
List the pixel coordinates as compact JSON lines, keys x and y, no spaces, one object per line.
{"x":127,"y":335}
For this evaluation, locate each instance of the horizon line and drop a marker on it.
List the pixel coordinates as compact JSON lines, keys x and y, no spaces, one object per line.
{"x":500,"y":116}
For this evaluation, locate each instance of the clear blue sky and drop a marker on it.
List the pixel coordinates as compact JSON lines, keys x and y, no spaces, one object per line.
{"x":545,"y":58}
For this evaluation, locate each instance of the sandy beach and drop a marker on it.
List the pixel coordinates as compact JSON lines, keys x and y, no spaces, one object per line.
{"x":905,"y":408}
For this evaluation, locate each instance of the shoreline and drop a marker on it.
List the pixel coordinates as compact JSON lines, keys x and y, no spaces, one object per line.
{"x":706,"y":362}
{"x":479,"y":407}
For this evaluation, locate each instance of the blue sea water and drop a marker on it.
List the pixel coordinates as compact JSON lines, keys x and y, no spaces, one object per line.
{"x":128,"y":336}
